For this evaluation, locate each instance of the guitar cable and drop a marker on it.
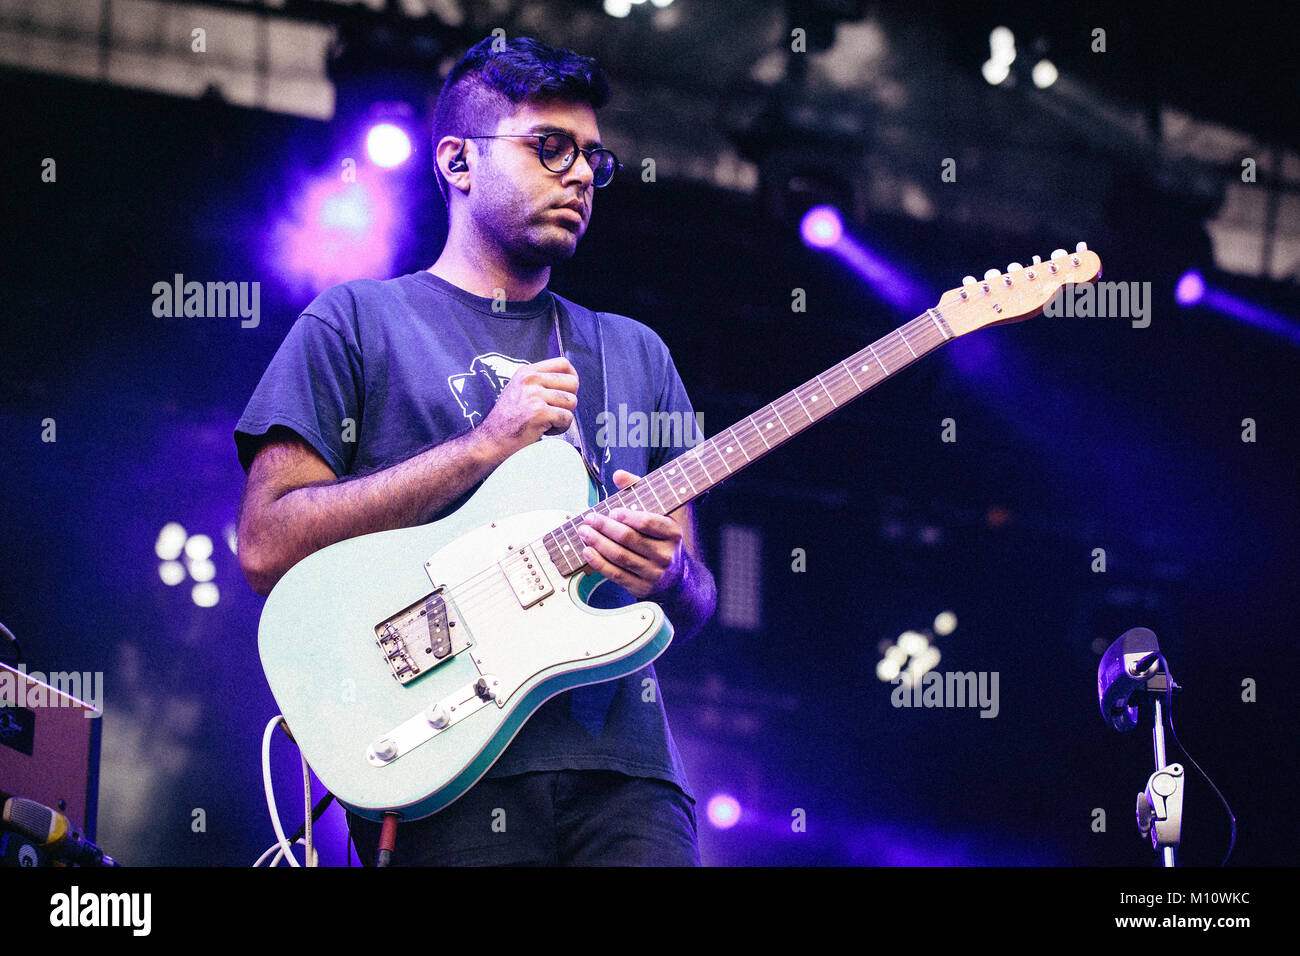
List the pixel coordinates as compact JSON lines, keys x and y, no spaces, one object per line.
{"x":281,"y":842}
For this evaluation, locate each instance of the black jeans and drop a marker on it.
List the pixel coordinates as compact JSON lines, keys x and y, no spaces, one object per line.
{"x":561,"y":818}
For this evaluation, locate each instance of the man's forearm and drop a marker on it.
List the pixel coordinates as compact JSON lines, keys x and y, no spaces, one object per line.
{"x":281,"y":529}
{"x":690,"y":603}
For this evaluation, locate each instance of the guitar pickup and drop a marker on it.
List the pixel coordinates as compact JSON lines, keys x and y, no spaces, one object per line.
{"x":526,"y":576}
{"x":420,"y":637}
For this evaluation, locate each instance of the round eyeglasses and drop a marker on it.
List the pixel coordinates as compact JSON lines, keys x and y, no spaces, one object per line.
{"x":558,"y":152}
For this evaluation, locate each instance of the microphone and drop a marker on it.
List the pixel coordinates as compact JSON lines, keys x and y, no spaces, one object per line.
{"x":53,"y":832}
{"x":1122,"y":676}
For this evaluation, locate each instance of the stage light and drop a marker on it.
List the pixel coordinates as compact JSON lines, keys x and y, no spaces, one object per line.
{"x":1002,"y":53}
{"x":618,"y":8}
{"x":723,"y":811}
{"x":232,"y":539}
{"x":945,"y":623}
{"x":347,"y":211}
{"x":821,"y":227}
{"x":337,"y":230}
{"x":198,"y":547}
{"x":202,"y":570}
{"x":1044,"y":74}
{"x":205,"y":594}
{"x":171,"y":572}
{"x":891,"y":664}
{"x":740,"y":581}
{"x":1190,"y":289}
{"x":913,"y":643}
{"x":170,"y":541}
{"x":1193,"y":290}
{"x":921,"y":664}
{"x":388,"y":145}
{"x":1002,"y":43}
{"x":995,"y":72}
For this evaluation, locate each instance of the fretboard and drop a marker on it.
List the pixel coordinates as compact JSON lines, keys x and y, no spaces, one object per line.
{"x":714,"y":460}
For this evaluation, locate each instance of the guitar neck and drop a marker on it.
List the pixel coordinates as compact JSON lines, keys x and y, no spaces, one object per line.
{"x":712,"y":461}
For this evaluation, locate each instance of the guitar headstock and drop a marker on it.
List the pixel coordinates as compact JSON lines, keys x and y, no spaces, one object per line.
{"x":1019,"y":293}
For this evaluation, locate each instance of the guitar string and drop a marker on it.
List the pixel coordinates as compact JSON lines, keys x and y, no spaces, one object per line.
{"x":489,"y":578}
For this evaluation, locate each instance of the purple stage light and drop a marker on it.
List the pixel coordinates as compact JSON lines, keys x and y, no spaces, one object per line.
{"x":337,"y":231}
{"x":1248,"y":313}
{"x":347,"y":211}
{"x":890,"y":283}
{"x":388,"y":145}
{"x":821,"y":227}
{"x":1190,"y":289}
{"x":723,"y":811}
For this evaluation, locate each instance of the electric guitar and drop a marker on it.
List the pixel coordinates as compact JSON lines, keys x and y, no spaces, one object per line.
{"x":405,"y":661}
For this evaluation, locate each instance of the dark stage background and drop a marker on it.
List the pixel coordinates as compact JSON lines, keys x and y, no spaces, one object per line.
{"x":1073,"y":434}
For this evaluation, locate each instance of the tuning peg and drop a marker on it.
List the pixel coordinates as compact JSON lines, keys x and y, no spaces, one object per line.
{"x":1058,"y":253}
{"x":1037,"y":261}
{"x":1081,"y":247}
{"x":1014,"y":267}
{"x":992,"y":274}
{"x":969,"y":280}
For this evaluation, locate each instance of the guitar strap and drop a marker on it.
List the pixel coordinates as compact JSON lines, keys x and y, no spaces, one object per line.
{"x":585,"y":349}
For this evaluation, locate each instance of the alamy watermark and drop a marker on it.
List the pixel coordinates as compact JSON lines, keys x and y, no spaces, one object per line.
{"x":1102,"y":300}
{"x":624,"y":429}
{"x":30,"y":690}
{"x":208,"y":300}
{"x":131,"y":911}
{"x":951,"y":689}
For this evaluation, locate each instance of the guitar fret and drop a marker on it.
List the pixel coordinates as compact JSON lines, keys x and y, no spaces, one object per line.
{"x":853,"y":378}
{"x":572,"y":544}
{"x":800,"y":401}
{"x":905,"y":342}
{"x":675,"y":468}
{"x":754,"y":425}
{"x":739,"y":444}
{"x":693,"y":467}
{"x":827,"y":391}
{"x":935,"y":319}
{"x":877,"y":358}
{"x":705,"y":468}
{"x":651,"y":485}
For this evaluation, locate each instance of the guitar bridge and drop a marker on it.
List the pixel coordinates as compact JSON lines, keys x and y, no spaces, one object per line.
{"x":420,"y":637}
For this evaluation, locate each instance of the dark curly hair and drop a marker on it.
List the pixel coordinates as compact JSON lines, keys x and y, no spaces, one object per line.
{"x":489,"y":84}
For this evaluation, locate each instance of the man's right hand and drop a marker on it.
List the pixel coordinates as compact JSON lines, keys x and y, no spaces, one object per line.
{"x":539,"y":399}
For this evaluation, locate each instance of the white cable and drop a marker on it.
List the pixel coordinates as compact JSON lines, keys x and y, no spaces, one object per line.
{"x":282,"y":841}
{"x":306,"y":787}
{"x":279,"y":855}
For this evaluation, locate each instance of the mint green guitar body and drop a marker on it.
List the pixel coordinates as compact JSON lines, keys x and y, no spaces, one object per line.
{"x":414,"y":743}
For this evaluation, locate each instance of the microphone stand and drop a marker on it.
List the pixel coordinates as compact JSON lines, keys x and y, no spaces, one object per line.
{"x":1160,"y":805}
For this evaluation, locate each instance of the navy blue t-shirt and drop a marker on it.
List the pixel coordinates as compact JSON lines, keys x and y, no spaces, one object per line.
{"x":373,"y":372}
